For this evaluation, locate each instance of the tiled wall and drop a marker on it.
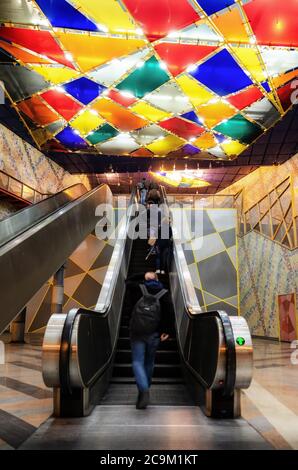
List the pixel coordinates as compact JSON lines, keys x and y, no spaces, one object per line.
{"x":261,"y":181}
{"x":212,"y":260}
{"x":29,"y":165}
{"x":267,"y":270}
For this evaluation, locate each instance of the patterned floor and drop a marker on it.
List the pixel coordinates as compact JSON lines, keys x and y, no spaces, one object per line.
{"x":270,"y":405}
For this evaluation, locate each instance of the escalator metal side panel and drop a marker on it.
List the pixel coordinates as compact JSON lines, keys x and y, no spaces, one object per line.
{"x":14,"y":225}
{"x":88,"y":361}
{"x":87,"y":338}
{"x":200,"y":338}
{"x":27,"y":262}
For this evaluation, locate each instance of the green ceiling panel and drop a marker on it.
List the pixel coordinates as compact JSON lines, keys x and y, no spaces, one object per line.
{"x":146,"y":78}
{"x":103,"y":133}
{"x":240,"y":128}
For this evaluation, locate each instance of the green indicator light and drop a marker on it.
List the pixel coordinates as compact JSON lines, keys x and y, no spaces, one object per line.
{"x":240,"y":341}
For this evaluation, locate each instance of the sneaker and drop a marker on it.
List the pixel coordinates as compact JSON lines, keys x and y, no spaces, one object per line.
{"x":143,"y":400}
{"x":157,"y":271}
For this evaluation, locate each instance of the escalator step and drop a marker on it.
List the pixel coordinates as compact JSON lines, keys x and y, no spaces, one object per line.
{"x":170,"y":345}
{"x":160,"y":370}
{"x":155,"y":380}
{"x":123,"y":356}
{"x":160,"y":395}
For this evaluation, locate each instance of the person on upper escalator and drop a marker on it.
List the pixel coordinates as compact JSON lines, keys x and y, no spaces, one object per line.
{"x":152,"y":322}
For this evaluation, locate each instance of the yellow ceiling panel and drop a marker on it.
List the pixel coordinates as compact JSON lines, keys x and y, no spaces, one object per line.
{"x":166,"y":145}
{"x":92,"y":51}
{"x":87,"y":122}
{"x":149,"y":112}
{"x":197,"y":94}
{"x":108,"y":13}
{"x":250,"y":59}
{"x":233,"y":148}
{"x":231,"y":25}
{"x":56,"y":75}
{"x":205,"y":141}
{"x":214,"y":113}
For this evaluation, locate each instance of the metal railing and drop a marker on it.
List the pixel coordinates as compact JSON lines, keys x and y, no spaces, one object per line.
{"x":212,"y":201}
{"x":17,"y":188}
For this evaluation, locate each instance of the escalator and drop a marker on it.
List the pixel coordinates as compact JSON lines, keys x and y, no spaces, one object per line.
{"x":36,"y":241}
{"x":168,"y":387}
{"x":86,"y":354}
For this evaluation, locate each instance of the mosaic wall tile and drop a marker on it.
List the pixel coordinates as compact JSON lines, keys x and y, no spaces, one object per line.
{"x":27,"y":164}
{"x":212,"y":261}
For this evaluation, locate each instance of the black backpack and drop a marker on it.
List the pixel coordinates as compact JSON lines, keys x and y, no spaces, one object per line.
{"x":146,"y":315}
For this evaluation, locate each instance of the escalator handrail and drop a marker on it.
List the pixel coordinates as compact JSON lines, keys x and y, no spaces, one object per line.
{"x":188,"y":290}
{"x":16,"y":224}
{"x":102,"y":307}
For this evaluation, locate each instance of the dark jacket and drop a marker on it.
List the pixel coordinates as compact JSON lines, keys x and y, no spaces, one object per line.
{"x":167,"y":323}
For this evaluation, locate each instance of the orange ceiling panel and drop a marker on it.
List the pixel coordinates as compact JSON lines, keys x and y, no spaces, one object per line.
{"x":22,"y":55}
{"x":120,"y":117}
{"x":36,"y":109}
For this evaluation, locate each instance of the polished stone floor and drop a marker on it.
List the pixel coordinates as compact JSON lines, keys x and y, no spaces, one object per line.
{"x":269,"y":410}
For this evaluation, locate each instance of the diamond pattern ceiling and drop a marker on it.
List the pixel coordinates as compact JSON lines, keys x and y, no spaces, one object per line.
{"x":180,"y":78}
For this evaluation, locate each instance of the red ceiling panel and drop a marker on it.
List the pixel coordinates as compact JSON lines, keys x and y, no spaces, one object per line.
{"x":245,"y":98}
{"x":41,"y":42}
{"x":274,"y":22}
{"x":184,"y":129}
{"x":160,"y":17}
{"x":119,"y":98}
{"x":63,"y":104}
{"x":179,"y":56}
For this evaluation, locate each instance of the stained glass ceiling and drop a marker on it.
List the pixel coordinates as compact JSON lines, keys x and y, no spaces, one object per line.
{"x":198,"y":79}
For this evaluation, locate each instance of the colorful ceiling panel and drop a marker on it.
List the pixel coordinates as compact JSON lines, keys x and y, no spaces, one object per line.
{"x":84,"y":90}
{"x":213,"y":6}
{"x":185,"y":129}
{"x":158,"y":18}
{"x":62,"y":14}
{"x":222,"y":74}
{"x":120,"y":117}
{"x":37,"y":110}
{"x":90,"y":51}
{"x":149,"y":112}
{"x":273,"y":22}
{"x":63,"y":104}
{"x":165,"y":145}
{"x":87,"y":121}
{"x":111,"y":16}
{"x":179,"y":57}
{"x":105,"y":132}
{"x":178,"y":78}
{"x":41,"y":42}
{"x":55,"y":75}
{"x":245,"y":98}
{"x":213,"y":113}
{"x":147,"y":77}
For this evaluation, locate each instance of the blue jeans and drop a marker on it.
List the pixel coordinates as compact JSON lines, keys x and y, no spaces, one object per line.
{"x":143,"y":358}
{"x":143,"y":194}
